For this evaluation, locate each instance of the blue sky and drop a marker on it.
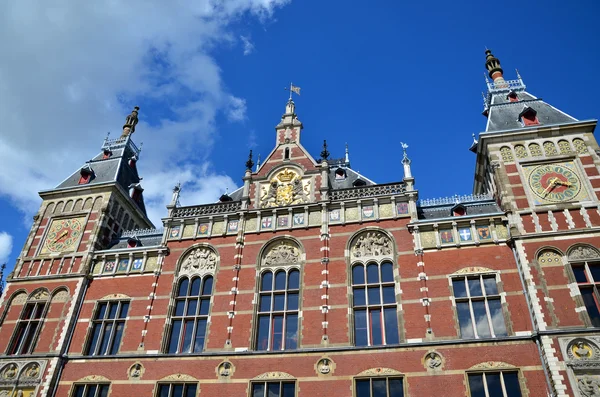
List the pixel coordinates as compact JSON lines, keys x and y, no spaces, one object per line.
{"x":209,"y":78}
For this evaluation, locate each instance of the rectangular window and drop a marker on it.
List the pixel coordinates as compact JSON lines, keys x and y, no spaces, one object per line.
{"x":587,"y":275}
{"x":91,"y":390}
{"x":494,"y":384}
{"x":379,"y":387}
{"x":27,"y":329}
{"x":107,"y":328}
{"x":478,"y":306}
{"x":177,"y":390}
{"x":273,"y":389}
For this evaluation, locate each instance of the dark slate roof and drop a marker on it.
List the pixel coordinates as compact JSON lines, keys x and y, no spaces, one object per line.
{"x":146,"y":239}
{"x":236,"y":195}
{"x":504,"y":115}
{"x":481,"y":207}
{"x":348,"y":182}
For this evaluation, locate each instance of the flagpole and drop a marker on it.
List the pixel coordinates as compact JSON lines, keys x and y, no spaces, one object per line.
{"x":291,"y":85}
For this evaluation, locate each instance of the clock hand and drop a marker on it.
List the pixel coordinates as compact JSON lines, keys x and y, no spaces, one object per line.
{"x":63,"y":234}
{"x":553,"y":182}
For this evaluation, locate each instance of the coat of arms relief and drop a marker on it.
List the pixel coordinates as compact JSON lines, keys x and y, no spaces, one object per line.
{"x":286,"y":188}
{"x":199,"y":261}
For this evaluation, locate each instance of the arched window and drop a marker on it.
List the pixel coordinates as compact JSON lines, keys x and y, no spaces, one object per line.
{"x":374,"y":304}
{"x":286,"y":155}
{"x":278,"y":310}
{"x":30,"y":323}
{"x":190,"y":316}
{"x":585,"y":262}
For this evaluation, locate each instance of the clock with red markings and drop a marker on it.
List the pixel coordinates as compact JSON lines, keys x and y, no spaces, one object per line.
{"x":63,"y":235}
{"x":555,"y":183}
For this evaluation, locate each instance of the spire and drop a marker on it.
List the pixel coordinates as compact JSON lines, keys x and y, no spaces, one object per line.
{"x":258,"y":163}
{"x":347,"y":157}
{"x":130,"y":122}
{"x":492,"y":64}
{"x":324,"y":152}
{"x":406,"y":163}
{"x":249,"y":162}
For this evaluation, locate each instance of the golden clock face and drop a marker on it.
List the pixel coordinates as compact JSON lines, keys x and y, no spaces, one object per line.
{"x":63,"y":235}
{"x":555,"y":183}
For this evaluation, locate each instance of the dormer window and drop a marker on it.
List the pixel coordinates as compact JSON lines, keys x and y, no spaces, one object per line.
{"x":107,"y":154}
{"x":133,"y":242}
{"x":359,"y":182}
{"x":459,"y":210}
{"x":512,"y":96}
{"x":224,"y":198}
{"x":340,"y":174}
{"x":528,"y":117}
{"x":86,"y":175}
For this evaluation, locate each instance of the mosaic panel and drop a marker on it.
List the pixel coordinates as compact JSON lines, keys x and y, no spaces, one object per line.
{"x":352,"y":214}
{"x":218,"y":228}
{"x":579,"y":146}
{"x":386,"y":210}
{"x":251,"y":224}
{"x":506,"y":154}
{"x":564,"y":147}
{"x":314,"y":218}
{"x":151,"y":263}
{"x":428,"y":239}
{"x":502,"y":232}
{"x":188,"y":231}
{"x":520,"y":151}
{"x":550,"y":148}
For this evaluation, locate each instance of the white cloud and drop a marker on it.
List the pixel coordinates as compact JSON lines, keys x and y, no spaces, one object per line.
{"x":6,"y":244}
{"x":71,"y":70}
{"x":248,"y":45}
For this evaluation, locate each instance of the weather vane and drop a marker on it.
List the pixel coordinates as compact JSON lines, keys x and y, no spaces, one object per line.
{"x":293,"y":89}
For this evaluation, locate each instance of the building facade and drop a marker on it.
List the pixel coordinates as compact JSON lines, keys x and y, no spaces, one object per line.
{"x":312,"y":280}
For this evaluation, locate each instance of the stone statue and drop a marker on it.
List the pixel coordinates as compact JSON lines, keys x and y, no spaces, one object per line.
{"x":269,"y":198}
{"x":136,"y":371}
{"x":324,"y":366}
{"x":225,"y":369}
{"x":434,"y":361}
{"x":298,"y":194}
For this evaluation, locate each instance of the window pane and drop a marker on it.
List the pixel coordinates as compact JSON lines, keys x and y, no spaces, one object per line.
{"x":294,"y":280}
{"x":277,"y":332}
{"x":360,"y":328}
{"x":291,"y":331}
{"x":389,"y":295}
{"x":474,"y":286}
{"x":387,"y":272}
{"x":192,"y":306}
{"x":105,"y":338}
{"x":497,"y":317}
{"x":363,"y":388}
{"x":396,"y":389}
{"x":358,"y":274}
{"x":103,"y":392}
{"x":175,"y":330}
{"x":188,"y":329}
{"x":289,"y":390}
{"x":112,"y":310}
{"x":208,"y":285}
{"x":39,"y":310}
{"x":91,"y":391}
{"x":372,"y":273}
{"x":200,"y":334}
{"x":124,"y":309}
{"x":273,"y":389}
{"x":375,"y":317}
{"x":579,"y":272}
{"x":258,"y":390}
{"x":262,"y":340}
{"x":117,"y":338}
{"x":267,"y":282}
{"x":278,"y":302}
{"x":595,"y":270}
{"x":476,"y":385}
{"x":163,"y":391}
{"x":374,"y":298}
{"x":195,"y":290}
{"x":491,"y":288}
{"x":458,"y":285}
{"x":379,"y":386}
{"x":280,"y":280}
{"x":101,"y":311}
{"x":493,"y":384}
{"x":177,"y":390}
{"x":190,"y":391}
{"x":590,"y":303}
{"x":204,"y":306}
{"x":94,"y":338}
{"x":183,"y":287}
{"x":483,"y":327}
{"x":292,"y":302}
{"x":265,"y":303}
{"x":511,"y":383}
{"x":78,"y":391}
{"x":391,"y":325}
{"x":464,"y":320}
{"x":179,"y":307}
{"x":359,"y":297}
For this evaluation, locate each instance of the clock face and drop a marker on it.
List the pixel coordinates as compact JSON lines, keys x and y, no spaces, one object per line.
{"x":555,"y":183}
{"x":63,"y":235}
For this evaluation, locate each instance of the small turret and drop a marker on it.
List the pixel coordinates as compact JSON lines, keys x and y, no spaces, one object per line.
{"x":130,"y":122}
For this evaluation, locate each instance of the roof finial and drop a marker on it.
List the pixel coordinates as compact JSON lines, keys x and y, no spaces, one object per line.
{"x":324,"y":152}
{"x":176,"y":192}
{"x":473,"y":147}
{"x":405,"y":159}
{"x":249,"y":162}
{"x":130,"y":122}
{"x":492,"y":64}
{"x":347,"y":158}
{"x":258,"y":163}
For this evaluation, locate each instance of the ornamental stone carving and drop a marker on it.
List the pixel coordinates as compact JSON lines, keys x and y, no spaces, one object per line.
{"x":589,"y":385}
{"x":492,"y":365}
{"x":281,"y":254}
{"x":583,"y":252}
{"x":40,"y":295}
{"x":371,"y":244}
{"x":474,"y":269}
{"x":201,"y":260}
{"x":286,"y":188}
{"x":325,"y":366}
{"x":275,"y":375}
{"x":136,"y":371}
{"x":225,"y":369}
{"x":583,"y":349}
{"x":379,"y":372}
{"x":9,"y":372}
{"x":31,"y":372}
{"x":179,"y":378}
{"x":433,"y":361}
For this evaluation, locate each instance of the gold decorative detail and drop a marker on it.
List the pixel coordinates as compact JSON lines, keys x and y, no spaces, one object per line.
{"x":282,"y":253}
{"x":9,"y":372}
{"x":473,"y":269}
{"x":386,"y":211}
{"x":32,"y":371}
{"x":286,"y":188}
{"x":94,"y":378}
{"x":63,"y":235}
{"x":372,"y":243}
{"x":492,"y":365}
{"x":325,"y":366}
{"x":580,"y":146}
{"x":428,"y":239}
{"x":275,"y":375}
{"x":535,"y":150}
{"x":151,"y":263}
{"x":583,"y":252}
{"x":200,"y":260}
{"x":550,"y":148}
{"x":179,"y":378}
{"x":352,"y":214}
{"x":225,"y":369}
{"x":379,"y":372}
{"x":520,"y":151}
{"x":549,"y":257}
{"x":501,"y":232}
{"x":582,"y":350}
{"x":433,"y":361}
{"x":506,"y":154}
{"x":136,"y":371}
{"x":564,"y":147}
{"x":41,"y":295}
